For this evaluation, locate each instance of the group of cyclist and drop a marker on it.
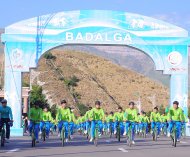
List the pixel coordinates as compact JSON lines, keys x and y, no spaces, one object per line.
{"x":96,"y":116}
{"x":124,"y":119}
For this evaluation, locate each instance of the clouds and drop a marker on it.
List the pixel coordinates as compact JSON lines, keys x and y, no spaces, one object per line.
{"x":178,"y":19}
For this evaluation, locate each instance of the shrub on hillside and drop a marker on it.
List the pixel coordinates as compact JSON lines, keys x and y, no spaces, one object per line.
{"x":49,"y":55}
{"x":72,"y":82}
{"x":83,"y":109}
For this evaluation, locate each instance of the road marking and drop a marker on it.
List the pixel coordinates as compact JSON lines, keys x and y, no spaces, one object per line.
{"x":183,"y":142}
{"x":123,"y":150}
{"x":13,"y":150}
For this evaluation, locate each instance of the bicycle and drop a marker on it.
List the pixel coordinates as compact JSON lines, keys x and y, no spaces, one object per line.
{"x":3,"y":133}
{"x":129,"y":136}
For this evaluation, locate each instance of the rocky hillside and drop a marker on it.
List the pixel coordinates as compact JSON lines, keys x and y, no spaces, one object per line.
{"x":99,"y":79}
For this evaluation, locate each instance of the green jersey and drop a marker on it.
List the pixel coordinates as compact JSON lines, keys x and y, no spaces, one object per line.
{"x":97,"y":114}
{"x":110,"y":118}
{"x":73,"y":119}
{"x":155,"y":117}
{"x":131,"y":115}
{"x":141,"y":119}
{"x":118,"y":116}
{"x":164,"y":118}
{"x":80,"y":120}
{"x":35,"y":114}
{"x":146,"y":119}
{"x":175,"y":114}
{"x":87,"y":115}
{"x":46,"y":116}
{"x":63,"y":114}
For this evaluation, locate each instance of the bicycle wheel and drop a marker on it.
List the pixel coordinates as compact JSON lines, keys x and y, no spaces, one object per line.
{"x":63,"y":136}
{"x":2,"y":138}
{"x":130,"y":137}
{"x":43,"y":134}
{"x":88,"y":133}
{"x":33,"y":139}
{"x":175,"y":138}
{"x":110,"y":131}
{"x":144,"y":133}
{"x":96,"y":137}
{"x":153,"y":135}
{"x":156,"y":134}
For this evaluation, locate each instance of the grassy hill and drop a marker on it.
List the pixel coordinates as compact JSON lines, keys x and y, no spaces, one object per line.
{"x":99,"y":79}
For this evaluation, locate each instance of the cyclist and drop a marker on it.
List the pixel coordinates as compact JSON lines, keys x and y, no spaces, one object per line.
{"x":164,"y":122}
{"x":183,"y":125}
{"x":155,"y":121}
{"x":141,"y":120}
{"x":63,"y":118}
{"x":35,"y":116}
{"x":87,"y":121}
{"x":105,"y":125}
{"x":72,"y":122}
{"x":79,"y":123}
{"x":96,"y":117}
{"x":118,"y":120}
{"x":46,"y":119}
{"x":146,"y":122}
{"x":6,"y":117}
{"x":175,"y":117}
{"x":109,"y":121}
{"x":130,"y":119}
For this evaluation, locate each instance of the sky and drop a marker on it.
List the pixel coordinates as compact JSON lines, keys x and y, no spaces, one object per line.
{"x":176,"y":12}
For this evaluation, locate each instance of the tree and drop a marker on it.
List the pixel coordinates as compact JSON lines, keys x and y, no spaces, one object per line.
{"x":36,"y":95}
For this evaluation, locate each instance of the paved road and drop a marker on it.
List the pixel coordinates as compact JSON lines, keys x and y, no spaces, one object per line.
{"x":80,"y":147}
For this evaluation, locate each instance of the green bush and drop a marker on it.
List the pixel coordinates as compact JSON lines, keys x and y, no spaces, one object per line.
{"x":72,"y":82}
{"x":49,"y":55}
{"x":83,"y":109}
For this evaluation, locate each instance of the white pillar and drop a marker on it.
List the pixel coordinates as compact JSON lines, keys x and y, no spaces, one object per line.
{"x":13,"y":95}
